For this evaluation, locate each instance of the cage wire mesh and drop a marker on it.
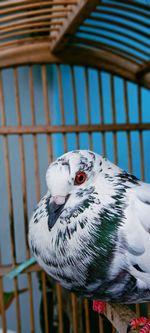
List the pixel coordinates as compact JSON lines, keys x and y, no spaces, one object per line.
{"x":46,"y":111}
{"x":92,"y":95}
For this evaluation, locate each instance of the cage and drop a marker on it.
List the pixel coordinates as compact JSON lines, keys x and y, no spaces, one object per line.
{"x":74,"y":74}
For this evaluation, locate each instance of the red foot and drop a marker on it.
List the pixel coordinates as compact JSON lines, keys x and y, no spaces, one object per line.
{"x":146,"y":328}
{"x":137,"y":322}
{"x":99,"y":307}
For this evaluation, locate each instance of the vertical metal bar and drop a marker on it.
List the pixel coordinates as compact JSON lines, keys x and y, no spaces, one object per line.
{"x":76,"y":319}
{"x":87,"y":317}
{"x":101,"y":111}
{"x":10,"y":206}
{"x":45,"y":305}
{"x":148,"y":310}
{"x":86,"y":304}
{"x":4,"y":322}
{"x":101,"y":324}
{"x":127,"y":121}
{"x":37,"y":177}
{"x":2,"y":307}
{"x":137,"y":306}
{"x":58,"y":287}
{"x":31,"y":89}
{"x":74,"y":313}
{"x":60,"y":90}
{"x":75,"y":104}
{"x":142,"y":170}
{"x":140,"y":133}
{"x":46,"y":111}
{"x":24,"y":195}
{"x":60,"y":308}
{"x":114,"y":133}
{"x":50,"y":158}
{"x":114,"y":117}
{"x":88,"y":105}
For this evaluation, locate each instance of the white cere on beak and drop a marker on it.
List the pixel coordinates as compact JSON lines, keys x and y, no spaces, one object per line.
{"x":58,"y":199}
{"x":57,"y":177}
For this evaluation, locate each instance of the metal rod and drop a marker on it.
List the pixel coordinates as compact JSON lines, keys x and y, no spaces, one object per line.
{"x":88,"y":106}
{"x":24,"y":196}
{"x":114,"y":118}
{"x":75,"y":103}
{"x":127,"y":122}
{"x":10,"y":207}
{"x":61,"y":101}
{"x":46,"y":111}
{"x":42,"y":129}
{"x":60,"y":307}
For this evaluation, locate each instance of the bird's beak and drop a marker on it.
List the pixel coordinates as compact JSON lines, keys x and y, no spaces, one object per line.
{"x":55,"y":207}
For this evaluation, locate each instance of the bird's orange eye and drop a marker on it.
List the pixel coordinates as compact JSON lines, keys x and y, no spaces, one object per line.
{"x":80,"y":178}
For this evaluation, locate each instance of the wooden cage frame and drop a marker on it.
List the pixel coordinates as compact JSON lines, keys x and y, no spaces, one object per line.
{"x":54,"y":27}
{"x":60,"y":20}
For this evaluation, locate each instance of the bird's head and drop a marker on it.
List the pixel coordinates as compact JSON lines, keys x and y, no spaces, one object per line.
{"x":70,"y":180}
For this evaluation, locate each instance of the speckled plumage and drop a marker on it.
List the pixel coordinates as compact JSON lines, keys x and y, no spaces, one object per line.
{"x":100,"y":243}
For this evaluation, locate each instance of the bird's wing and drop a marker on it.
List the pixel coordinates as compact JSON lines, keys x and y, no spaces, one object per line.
{"x":135,"y":232}
{"x":141,"y":197}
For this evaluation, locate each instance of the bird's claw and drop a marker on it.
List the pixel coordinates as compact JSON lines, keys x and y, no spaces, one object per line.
{"x":137,"y":323}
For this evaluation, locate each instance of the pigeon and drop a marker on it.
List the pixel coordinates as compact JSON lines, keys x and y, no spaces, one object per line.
{"x":91,"y":231}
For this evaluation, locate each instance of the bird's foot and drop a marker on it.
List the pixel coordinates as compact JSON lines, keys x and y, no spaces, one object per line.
{"x":99,"y":307}
{"x":138,"y":322}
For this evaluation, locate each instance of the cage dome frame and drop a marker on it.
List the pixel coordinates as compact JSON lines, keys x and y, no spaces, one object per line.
{"x":38,"y":31}
{"x":115,"y":35}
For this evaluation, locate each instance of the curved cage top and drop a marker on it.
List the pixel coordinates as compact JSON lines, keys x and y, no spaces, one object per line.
{"x":114,"y":33}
